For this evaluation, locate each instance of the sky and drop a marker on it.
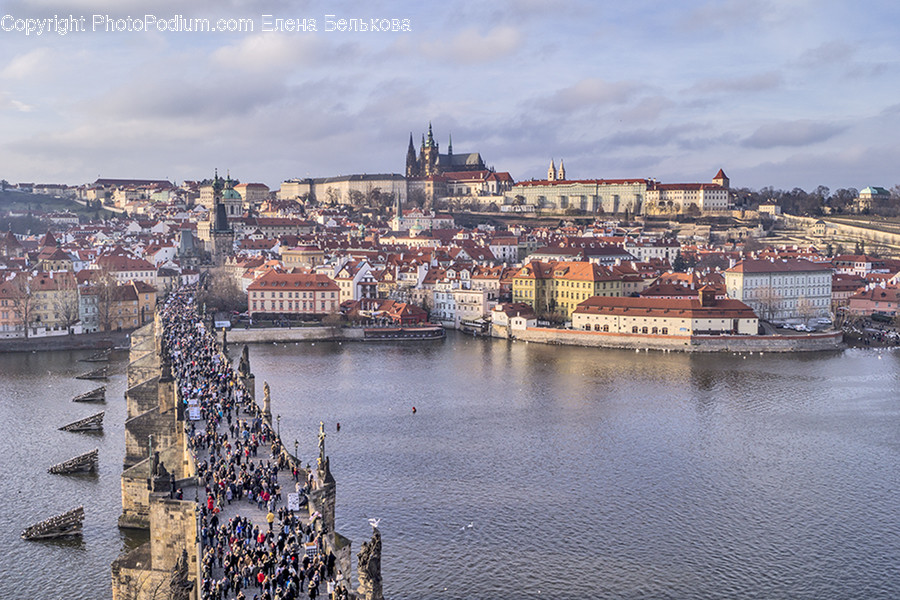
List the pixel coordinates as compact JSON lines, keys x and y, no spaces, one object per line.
{"x":788,"y":93}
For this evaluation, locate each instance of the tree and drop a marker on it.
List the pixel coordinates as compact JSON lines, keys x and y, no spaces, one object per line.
{"x":679,"y":265}
{"x":221,"y":292}
{"x":23,"y":301}
{"x":332,"y":196}
{"x":105,"y":284}
{"x":333,"y":320}
{"x":806,"y":309}
{"x":66,"y":299}
{"x":356,"y":197}
{"x":767,"y":299}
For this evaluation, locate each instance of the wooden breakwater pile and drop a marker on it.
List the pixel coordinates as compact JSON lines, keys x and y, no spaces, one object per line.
{"x":91,"y":423}
{"x":101,"y":373}
{"x":94,"y":395}
{"x":82,"y":463}
{"x":66,"y":524}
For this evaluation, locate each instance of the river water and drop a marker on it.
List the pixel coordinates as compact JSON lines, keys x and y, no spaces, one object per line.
{"x":530,"y":471}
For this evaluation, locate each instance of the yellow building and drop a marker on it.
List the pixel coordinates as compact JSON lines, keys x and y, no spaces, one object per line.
{"x":561,"y":286}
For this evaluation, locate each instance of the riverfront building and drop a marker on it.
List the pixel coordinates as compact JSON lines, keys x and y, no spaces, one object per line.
{"x":781,"y":289}
{"x":561,"y":286}
{"x":293,"y":294}
{"x":702,"y":315}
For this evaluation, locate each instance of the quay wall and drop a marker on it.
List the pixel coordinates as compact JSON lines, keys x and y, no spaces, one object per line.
{"x":290,"y":334}
{"x":713,"y":343}
{"x":81,"y":341}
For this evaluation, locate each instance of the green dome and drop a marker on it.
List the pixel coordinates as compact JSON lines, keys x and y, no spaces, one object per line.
{"x":230,"y":194}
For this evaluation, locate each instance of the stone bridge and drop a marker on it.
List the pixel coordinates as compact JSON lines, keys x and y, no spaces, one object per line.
{"x":162,"y":493}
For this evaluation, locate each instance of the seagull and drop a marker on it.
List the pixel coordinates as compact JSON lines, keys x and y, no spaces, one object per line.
{"x":374,"y":523}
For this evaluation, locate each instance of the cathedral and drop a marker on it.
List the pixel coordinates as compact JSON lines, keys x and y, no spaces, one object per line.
{"x":431,"y":162}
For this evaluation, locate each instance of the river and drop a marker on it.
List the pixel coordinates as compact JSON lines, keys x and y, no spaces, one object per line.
{"x":532,"y":471}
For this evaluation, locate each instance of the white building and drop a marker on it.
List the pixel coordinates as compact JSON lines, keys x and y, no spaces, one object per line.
{"x":678,"y":198}
{"x":781,"y":289}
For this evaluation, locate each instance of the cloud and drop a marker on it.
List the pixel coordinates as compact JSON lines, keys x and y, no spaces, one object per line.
{"x":590,"y":92}
{"x":471,"y":47}
{"x":792,"y":133}
{"x":725,"y":15}
{"x":649,"y":137}
{"x":27,"y":65}
{"x":748,"y":84}
{"x":274,"y":53}
{"x":7,"y":103}
{"x":647,"y":109}
{"x":827,"y":54}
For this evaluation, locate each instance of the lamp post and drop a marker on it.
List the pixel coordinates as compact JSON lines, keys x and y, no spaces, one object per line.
{"x":278,"y":421}
{"x":296,"y":446}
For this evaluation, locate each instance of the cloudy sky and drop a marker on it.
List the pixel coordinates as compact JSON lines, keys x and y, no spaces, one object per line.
{"x":788,"y":93}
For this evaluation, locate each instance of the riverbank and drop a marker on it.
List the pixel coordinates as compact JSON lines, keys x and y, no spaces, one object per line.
{"x":83,"y":341}
{"x":343,"y":334}
{"x":812,"y":342}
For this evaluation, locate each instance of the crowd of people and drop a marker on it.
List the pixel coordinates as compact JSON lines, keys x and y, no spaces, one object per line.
{"x":271,"y":553}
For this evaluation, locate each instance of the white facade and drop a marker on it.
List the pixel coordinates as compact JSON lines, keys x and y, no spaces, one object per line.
{"x":472,"y":304}
{"x":783,"y":289}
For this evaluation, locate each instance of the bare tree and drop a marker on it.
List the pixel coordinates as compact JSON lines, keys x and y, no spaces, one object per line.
{"x":66,"y":299}
{"x":767,"y":299}
{"x":806,"y":309}
{"x":333,"y":320}
{"x":105,"y":284}
{"x":221,"y":292}
{"x":24,"y":301}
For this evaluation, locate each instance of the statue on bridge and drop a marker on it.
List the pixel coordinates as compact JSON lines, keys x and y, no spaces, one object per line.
{"x":267,"y":401}
{"x":244,"y":364}
{"x":321,"y":444}
{"x":368,"y":568}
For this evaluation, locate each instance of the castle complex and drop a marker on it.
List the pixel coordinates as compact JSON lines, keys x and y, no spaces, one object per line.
{"x":431,"y":162}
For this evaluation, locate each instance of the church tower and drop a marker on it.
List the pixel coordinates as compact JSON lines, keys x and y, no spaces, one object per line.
{"x":551,"y":172}
{"x":428,"y":164}
{"x":232,"y":200}
{"x":412,"y":165}
{"x":561,"y":174}
{"x":221,"y":236}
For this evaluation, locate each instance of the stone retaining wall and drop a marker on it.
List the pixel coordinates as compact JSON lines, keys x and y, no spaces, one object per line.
{"x":716,"y":343}
{"x":83,"y":341}
{"x":290,"y":334}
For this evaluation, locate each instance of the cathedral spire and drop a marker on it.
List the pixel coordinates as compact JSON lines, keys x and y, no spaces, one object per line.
{"x":412,"y":165}
{"x":561,"y":174}
{"x":551,"y":172}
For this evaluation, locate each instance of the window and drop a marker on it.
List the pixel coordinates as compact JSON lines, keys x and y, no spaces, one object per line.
{"x":634,"y":329}
{"x":665,"y":331}
{"x":606,"y":328}
{"x":643,"y":330}
{"x":654,"y":331}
